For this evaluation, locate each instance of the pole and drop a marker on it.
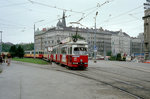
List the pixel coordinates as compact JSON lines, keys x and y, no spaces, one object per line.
{"x":141,"y":49}
{"x":95,"y":50}
{"x":34,"y":34}
{"x":34,"y":40}
{"x":104,"y":50}
{"x":1,"y":43}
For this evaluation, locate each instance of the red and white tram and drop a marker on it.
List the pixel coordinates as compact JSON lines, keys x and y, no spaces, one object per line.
{"x":72,"y":54}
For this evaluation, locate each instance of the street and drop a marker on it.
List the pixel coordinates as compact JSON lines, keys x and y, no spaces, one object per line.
{"x":102,"y":80}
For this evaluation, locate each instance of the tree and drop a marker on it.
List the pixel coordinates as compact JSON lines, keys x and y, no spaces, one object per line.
{"x":20,"y":52}
{"x":78,"y":37}
{"x":12,"y":50}
{"x":119,"y":57}
{"x":6,"y":47}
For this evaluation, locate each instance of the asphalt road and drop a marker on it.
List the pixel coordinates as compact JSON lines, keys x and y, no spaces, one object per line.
{"x":102,"y":80}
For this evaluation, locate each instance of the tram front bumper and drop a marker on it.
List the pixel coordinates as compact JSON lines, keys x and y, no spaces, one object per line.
{"x":76,"y":64}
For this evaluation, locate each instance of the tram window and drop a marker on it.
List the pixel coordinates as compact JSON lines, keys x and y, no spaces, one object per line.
{"x":80,"y":51}
{"x":70,"y":50}
{"x":58,"y":50}
{"x":54,"y":51}
{"x":36,"y":53}
{"x":63,"y":50}
{"x":40,"y":52}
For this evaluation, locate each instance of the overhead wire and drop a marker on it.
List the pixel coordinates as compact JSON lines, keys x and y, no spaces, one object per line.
{"x":55,"y":7}
{"x":15,"y":4}
{"x":124,"y":13}
{"x":123,"y":22}
{"x":96,"y":8}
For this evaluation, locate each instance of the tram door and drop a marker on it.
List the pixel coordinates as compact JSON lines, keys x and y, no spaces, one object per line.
{"x":69,"y":55}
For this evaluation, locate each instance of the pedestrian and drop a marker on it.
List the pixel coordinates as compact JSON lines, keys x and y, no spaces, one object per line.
{"x":1,"y":60}
{"x":3,"y":57}
{"x":8,"y":59}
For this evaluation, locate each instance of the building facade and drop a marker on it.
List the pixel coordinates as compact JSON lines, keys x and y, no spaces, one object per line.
{"x":106,"y":41}
{"x":137,"y":45}
{"x":53,"y":36}
{"x":146,"y":19}
{"x":120,"y":43}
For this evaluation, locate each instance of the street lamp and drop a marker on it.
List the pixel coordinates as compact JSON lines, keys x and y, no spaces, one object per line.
{"x":34,"y":34}
{"x":95,"y":49}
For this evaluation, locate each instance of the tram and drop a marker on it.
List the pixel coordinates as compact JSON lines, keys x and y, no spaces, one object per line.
{"x":30,"y":54}
{"x":72,"y":53}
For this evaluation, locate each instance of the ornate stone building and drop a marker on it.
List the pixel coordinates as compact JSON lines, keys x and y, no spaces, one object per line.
{"x":106,"y":41}
{"x":120,"y":43}
{"x":52,"y":36}
{"x":146,"y":19}
{"x":137,"y":45}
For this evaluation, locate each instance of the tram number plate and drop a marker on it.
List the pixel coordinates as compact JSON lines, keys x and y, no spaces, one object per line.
{"x":75,"y":56}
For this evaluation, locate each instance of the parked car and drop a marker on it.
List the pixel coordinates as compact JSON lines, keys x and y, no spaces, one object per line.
{"x":128,"y":58}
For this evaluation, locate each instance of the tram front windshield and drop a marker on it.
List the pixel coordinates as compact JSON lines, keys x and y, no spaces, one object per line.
{"x":80,"y":51}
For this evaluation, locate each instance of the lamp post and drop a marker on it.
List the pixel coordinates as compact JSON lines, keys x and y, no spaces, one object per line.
{"x":95,"y":49}
{"x":1,"y":43}
{"x":34,"y":34}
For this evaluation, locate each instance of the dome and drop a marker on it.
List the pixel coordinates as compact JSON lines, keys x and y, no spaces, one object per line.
{"x":59,"y":24}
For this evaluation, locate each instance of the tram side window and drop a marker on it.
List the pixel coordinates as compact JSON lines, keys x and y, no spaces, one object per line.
{"x":54,"y":51}
{"x":58,"y":50}
{"x":63,"y":50}
{"x":70,"y":50}
{"x":40,"y":52}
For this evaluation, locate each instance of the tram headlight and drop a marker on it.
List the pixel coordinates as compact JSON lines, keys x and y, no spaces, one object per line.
{"x":81,"y":60}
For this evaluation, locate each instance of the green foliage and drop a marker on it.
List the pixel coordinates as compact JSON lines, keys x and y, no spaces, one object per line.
{"x":118,"y":57}
{"x":29,"y":46}
{"x":78,"y":37}
{"x":31,"y":60}
{"x":109,"y":53}
{"x":16,"y":52}
{"x":6,"y":47}
{"x":113,"y":58}
{"x":13,"y":50}
{"x":20,"y":52}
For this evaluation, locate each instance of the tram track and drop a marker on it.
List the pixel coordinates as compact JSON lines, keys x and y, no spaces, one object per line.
{"x":141,"y":69}
{"x":99,"y":68}
{"x":105,"y":83}
{"x":131,"y":86}
{"x":87,"y":75}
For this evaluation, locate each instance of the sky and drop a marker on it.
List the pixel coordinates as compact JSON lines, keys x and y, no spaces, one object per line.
{"x":17,"y":17}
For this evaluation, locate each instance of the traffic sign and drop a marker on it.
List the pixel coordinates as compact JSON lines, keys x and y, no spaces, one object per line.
{"x":95,"y":48}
